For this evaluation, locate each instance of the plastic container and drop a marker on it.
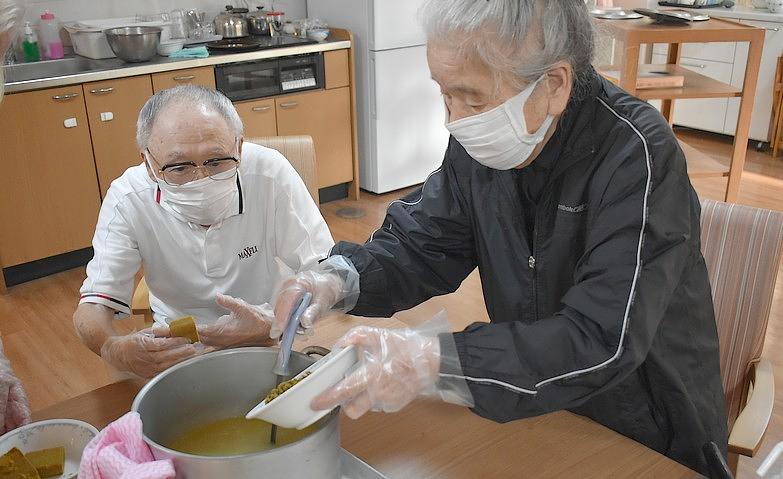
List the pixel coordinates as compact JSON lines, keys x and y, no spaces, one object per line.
{"x":51,"y":44}
{"x":30,"y":44}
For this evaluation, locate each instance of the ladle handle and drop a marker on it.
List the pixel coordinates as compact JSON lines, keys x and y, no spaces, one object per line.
{"x":287,"y":341}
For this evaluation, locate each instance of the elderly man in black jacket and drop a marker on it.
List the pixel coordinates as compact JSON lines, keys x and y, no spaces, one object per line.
{"x":572,"y":199}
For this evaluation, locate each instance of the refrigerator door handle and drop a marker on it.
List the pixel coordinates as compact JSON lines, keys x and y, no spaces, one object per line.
{"x":373,"y":90}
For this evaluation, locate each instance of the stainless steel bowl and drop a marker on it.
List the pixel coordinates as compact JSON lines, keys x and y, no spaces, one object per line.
{"x":228,"y":384}
{"x":134,"y":44}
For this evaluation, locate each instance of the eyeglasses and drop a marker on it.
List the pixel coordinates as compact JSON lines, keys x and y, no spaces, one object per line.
{"x":176,"y":174}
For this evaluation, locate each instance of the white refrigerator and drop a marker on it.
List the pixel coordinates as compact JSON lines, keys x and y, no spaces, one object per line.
{"x":402,"y":137}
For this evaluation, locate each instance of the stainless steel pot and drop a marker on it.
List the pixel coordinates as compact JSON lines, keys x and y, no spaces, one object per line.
{"x":232,"y":23}
{"x":134,"y":44}
{"x":256,"y":22}
{"x":228,"y":384}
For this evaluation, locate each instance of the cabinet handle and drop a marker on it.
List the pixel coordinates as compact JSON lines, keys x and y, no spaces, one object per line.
{"x":772,"y":29}
{"x":100,"y":91}
{"x":184,"y":77}
{"x":695,"y":65}
{"x":67,"y":96}
{"x":262,"y":108}
{"x":290,"y":104}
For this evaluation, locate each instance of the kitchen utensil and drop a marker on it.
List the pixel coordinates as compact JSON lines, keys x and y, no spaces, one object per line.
{"x":275,"y":21}
{"x":256,"y":22}
{"x":227,"y":384}
{"x":672,"y":17}
{"x":291,"y":409}
{"x":281,"y":368}
{"x":232,"y":23}
{"x":134,"y":44}
{"x":692,"y":3}
{"x":318,"y":34}
{"x":614,"y":14}
{"x":72,"y":434}
{"x":233,"y":45}
{"x":172,"y":46}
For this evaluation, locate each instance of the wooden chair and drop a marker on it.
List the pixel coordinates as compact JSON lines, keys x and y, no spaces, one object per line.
{"x":299,"y":151}
{"x":776,"y":137}
{"x":742,"y":248}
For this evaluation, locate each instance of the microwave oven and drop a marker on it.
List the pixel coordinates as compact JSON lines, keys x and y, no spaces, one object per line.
{"x":263,"y":78}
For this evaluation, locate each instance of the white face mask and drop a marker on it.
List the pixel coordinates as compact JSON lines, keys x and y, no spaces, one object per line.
{"x":203,"y":202}
{"x":499,"y":138}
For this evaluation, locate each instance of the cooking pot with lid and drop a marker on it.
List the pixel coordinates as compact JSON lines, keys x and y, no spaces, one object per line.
{"x":227,"y":384}
{"x":232,"y":23}
{"x":256,"y":22}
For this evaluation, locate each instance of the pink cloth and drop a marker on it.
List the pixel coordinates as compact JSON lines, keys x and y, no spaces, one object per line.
{"x":119,"y":452}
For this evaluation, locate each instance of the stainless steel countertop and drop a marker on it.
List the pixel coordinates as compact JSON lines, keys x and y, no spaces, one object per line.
{"x":75,"y":70}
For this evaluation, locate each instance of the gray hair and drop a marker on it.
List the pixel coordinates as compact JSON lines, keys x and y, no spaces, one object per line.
{"x":495,"y":31}
{"x":9,"y":14}
{"x":189,"y":95}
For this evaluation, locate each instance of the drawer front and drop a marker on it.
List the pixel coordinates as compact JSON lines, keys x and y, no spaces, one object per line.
{"x":204,"y":76}
{"x":259,"y":117}
{"x":715,"y":52}
{"x":708,"y":114}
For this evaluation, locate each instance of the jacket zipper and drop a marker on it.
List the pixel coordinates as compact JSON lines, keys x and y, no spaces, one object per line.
{"x":531,"y":262}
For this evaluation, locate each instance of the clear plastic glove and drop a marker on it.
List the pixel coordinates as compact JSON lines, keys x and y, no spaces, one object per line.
{"x":145,"y":355}
{"x":14,"y":408}
{"x":334,"y":284}
{"x":245,"y":325}
{"x":396,"y":366}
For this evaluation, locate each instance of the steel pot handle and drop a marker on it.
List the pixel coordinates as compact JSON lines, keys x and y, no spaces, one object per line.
{"x":313,"y":350}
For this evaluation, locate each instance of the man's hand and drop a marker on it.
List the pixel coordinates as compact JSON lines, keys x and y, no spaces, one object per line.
{"x":145,"y":355}
{"x":245,"y":325}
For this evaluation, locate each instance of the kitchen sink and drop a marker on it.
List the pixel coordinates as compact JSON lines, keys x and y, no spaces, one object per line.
{"x":22,"y":72}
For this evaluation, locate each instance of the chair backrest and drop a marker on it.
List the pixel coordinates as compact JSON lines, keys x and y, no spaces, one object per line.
{"x":742,"y":248}
{"x":300,"y":152}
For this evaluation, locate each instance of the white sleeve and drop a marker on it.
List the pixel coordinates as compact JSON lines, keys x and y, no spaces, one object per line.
{"x":111,"y":272}
{"x":302,"y":237}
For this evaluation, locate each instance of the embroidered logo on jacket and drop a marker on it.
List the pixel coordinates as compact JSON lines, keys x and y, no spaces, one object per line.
{"x":572,"y":209}
{"x":248,"y":252}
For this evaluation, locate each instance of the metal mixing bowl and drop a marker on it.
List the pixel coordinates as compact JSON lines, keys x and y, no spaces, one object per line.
{"x":134,"y":44}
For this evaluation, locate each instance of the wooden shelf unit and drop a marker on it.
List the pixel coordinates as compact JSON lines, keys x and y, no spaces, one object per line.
{"x":632,"y":34}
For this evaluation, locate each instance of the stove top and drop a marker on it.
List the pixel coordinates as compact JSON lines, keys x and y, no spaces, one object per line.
{"x":234,"y":45}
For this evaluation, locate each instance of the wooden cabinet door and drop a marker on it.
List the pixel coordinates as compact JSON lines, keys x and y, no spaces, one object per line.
{"x":113,"y":107}
{"x":326,"y":116}
{"x":49,"y":196}
{"x":259,"y":117}
{"x":336,"y":69}
{"x":204,"y":76}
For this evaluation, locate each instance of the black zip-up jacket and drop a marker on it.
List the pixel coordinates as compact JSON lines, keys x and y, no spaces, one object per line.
{"x":606,"y":311}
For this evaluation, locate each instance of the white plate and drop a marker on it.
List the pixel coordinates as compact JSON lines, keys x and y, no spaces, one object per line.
{"x":72,"y":434}
{"x":615,"y":14}
{"x":292,"y":408}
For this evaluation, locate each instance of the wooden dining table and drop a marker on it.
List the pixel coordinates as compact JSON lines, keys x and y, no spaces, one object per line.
{"x":430,"y":439}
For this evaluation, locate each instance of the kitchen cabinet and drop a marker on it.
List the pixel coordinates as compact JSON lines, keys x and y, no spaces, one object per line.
{"x":112,"y":108}
{"x":258,"y":116}
{"x":336,"y":69}
{"x":326,"y":116}
{"x":204,"y":76}
{"x":49,"y":197}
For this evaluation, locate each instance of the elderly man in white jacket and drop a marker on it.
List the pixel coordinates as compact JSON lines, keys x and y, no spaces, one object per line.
{"x":204,"y":214}
{"x":14,"y":410}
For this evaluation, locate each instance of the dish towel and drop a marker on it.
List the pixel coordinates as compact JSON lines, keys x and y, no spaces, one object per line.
{"x":195,"y":52}
{"x":119,"y":452}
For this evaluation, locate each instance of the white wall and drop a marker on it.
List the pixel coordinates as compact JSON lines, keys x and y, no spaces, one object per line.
{"x":68,"y":10}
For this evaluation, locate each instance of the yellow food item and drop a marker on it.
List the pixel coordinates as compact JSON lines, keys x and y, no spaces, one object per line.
{"x":283,"y":387}
{"x":235,"y":436}
{"x":48,"y":462}
{"x":13,"y":465}
{"x":184,"y":328}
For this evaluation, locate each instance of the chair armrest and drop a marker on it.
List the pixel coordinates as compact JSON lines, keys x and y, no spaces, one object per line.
{"x":752,"y":422}
{"x":140,"y":303}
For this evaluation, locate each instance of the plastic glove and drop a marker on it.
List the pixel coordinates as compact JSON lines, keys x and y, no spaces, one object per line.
{"x":334,"y":284}
{"x":145,"y":355}
{"x":14,"y":408}
{"x":245,"y":325}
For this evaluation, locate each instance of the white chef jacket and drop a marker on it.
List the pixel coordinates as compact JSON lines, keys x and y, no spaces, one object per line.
{"x":275,"y":229}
